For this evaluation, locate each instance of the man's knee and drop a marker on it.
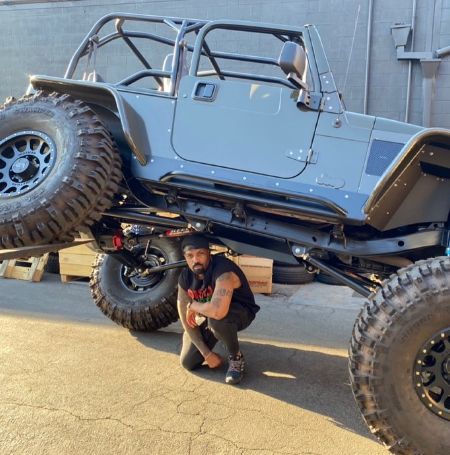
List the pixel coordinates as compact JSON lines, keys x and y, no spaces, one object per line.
{"x":219,"y":326}
{"x":189,"y":363}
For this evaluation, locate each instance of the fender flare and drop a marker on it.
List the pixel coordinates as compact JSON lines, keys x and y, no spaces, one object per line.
{"x":405,"y":171}
{"x":106,"y":96}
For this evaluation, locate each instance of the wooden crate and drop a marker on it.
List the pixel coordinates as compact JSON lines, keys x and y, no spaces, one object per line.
{"x":258,"y":272}
{"x":30,"y":269}
{"x":76,"y":262}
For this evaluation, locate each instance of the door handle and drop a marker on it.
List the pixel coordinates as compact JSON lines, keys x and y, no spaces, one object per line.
{"x":205,"y":91}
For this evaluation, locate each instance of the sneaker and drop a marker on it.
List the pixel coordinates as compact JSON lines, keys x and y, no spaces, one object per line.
{"x":235,"y":371}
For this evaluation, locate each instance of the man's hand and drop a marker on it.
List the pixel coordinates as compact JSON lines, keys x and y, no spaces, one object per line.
{"x":190,"y":318}
{"x":213,"y":360}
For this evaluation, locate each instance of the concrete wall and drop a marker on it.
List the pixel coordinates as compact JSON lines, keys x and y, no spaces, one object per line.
{"x":39,"y":38}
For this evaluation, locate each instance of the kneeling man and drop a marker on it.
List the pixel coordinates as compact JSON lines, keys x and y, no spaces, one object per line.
{"x":216,"y":288}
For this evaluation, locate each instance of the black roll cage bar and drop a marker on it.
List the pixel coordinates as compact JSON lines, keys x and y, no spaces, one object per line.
{"x":182,"y":27}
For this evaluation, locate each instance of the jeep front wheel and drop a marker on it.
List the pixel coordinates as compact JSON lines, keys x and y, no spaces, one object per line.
{"x":400,"y":360}
{"x":136,"y":299}
{"x":59,"y":169}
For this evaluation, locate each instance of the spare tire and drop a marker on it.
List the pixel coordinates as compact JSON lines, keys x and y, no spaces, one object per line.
{"x":133,"y":299}
{"x":52,"y":265}
{"x":324,"y":278}
{"x":291,"y":274}
{"x":59,"y":169}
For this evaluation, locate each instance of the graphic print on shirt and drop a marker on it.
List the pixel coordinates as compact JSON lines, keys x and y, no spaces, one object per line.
{"x":201,"y":295}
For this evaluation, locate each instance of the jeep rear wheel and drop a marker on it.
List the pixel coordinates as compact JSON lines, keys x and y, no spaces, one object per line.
{"x":400,"y":360}
{"x":132,"y":298}
{"x":59,"y":169}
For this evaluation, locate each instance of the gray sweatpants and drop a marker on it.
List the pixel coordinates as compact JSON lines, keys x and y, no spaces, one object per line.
{"x":213,"y":330}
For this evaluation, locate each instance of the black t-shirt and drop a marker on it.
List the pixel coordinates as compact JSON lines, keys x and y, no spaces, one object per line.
{"x":202,"y":290}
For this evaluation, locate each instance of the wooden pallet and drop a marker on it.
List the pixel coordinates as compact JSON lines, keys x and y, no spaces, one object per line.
{"x":30,"y":269}
{"x":69,"y":278}
{"x":76,"y":263}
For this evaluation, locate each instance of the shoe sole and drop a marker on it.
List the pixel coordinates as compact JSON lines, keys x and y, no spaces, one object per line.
{"x":233,"y":383}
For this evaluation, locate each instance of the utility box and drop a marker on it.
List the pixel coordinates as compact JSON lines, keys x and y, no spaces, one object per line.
{"x":258,"y":272}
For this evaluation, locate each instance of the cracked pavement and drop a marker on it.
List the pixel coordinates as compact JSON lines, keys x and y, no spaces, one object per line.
{"x":73,"y":382}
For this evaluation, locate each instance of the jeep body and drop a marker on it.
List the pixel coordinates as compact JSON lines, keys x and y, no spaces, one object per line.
{"x":256,"y":151}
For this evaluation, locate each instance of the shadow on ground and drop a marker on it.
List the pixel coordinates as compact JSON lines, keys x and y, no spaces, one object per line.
{"x":311,"y":380}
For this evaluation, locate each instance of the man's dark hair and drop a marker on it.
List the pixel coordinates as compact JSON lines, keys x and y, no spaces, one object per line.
{"x":194,"y":241}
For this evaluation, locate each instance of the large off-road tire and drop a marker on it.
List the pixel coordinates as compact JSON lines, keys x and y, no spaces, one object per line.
{"x":291,"y":274}
{"x":138,"y":302}
{"x":59,"y":169}
{"x":400,"y":360}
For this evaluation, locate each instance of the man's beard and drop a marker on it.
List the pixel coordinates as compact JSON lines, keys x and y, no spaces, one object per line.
{"x":198,"y":269}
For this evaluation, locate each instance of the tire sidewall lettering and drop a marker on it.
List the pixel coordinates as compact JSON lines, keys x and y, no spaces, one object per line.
{"x":64,"y":135}
{"x":36,"y":110}
{"x":413,"y":329}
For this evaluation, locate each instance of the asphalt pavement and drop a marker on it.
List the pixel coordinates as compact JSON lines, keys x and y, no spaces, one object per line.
{"x":73,"y":382}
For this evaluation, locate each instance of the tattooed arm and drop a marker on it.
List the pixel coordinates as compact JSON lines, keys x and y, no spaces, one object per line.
{"x":220,"y":302}
{"x":193,"y":332}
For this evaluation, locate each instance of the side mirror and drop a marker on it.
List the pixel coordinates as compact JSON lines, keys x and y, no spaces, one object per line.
{"x":292,"y":61}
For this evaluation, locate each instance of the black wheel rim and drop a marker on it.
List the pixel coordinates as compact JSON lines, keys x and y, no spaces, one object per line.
{"x":140,"y":280}
{"x":26,"y":159}
{"x":432,"y":374}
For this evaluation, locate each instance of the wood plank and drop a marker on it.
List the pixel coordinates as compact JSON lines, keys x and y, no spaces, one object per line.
{"x":80,"y":259}
{"x":75,"y":269}
{"x":79,"y":250}
{"x":167,"y":214}
{"x":3,"y":266}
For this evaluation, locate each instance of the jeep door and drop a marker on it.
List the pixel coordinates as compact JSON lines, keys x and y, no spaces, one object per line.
{"x":246,"y":121}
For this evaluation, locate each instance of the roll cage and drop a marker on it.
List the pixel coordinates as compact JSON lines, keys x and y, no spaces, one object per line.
{"x":96,"y":38}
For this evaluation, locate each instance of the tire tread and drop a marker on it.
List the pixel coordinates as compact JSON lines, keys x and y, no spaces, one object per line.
{"x":142,"y":317}
{"x":85,"y":191}
{"x":376,"y":319}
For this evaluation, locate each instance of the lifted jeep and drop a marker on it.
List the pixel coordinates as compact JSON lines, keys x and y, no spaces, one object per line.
{"x":255,"y":149}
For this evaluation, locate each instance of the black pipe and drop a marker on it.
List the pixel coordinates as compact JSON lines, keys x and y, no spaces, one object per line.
{"x":129,"y":260}
{"x":163,"y":268}
{"x":339,"y":276}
